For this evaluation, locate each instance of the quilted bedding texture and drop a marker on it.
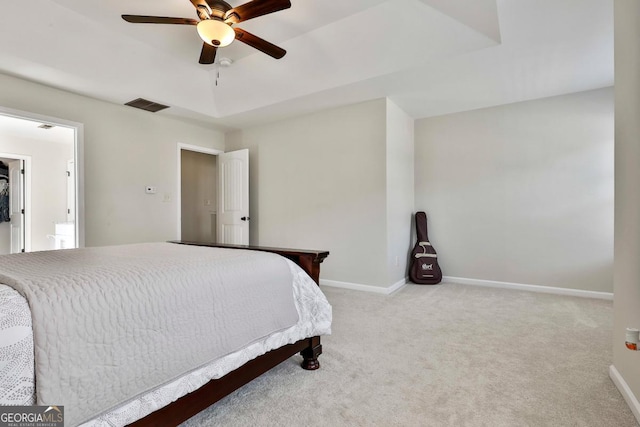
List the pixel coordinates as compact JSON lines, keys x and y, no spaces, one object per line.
{"x":17,"y":385}
{"x":99,"y":350}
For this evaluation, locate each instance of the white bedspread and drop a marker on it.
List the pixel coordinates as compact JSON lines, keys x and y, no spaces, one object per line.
{"x":16,"y":354}
{"x":16,"y":350}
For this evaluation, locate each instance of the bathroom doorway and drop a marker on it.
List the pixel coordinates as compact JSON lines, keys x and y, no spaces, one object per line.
{"x":42,"y":187}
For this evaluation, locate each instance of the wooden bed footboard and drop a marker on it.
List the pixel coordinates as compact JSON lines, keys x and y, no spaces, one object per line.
{"x":308,"y":260}
{"x":309,"y":348}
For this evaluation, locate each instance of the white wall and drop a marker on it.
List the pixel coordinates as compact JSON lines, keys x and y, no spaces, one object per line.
{"x":339,"y":180}
{"x":125,"y":150}
{"x":522,"y":193}
{"x":400,"y":191}
{"x":318,"y":182}
{"x":48,"y":184}
{"x":626,"y":302}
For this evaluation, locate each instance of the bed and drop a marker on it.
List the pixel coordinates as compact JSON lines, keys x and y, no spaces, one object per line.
{"x":130,"y":347}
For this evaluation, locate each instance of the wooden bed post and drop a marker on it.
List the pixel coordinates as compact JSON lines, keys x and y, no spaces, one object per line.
{"x":311,"y":353}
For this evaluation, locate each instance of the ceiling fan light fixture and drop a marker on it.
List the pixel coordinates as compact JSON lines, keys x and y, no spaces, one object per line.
{"x":216,"y":33}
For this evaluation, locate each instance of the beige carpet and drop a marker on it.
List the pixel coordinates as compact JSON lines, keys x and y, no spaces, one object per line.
{"x":447,"y":355}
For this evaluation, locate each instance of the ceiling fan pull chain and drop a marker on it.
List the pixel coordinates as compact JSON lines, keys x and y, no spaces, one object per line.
{"x":222,"y":63}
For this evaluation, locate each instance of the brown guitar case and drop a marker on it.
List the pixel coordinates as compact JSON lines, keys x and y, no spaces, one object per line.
{"x":424,"y":268}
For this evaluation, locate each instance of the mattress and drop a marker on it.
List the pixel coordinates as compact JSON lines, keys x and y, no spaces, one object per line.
{"x":17,"y":376}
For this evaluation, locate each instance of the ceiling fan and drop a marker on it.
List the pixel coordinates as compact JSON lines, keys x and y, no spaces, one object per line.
{"x":215,"y":26}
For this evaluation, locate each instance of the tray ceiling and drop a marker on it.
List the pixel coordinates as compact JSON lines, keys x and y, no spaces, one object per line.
{"x":431,"y":57}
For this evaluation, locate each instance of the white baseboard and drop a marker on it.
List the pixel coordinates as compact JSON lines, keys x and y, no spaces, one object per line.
{"x":365,"y":288}
{"x":531,"y":288}
{"x":626,"y":392}
{"x":474,"y":282}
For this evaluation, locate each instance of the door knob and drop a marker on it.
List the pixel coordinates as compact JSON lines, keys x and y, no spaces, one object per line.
{"x":245,"y":218}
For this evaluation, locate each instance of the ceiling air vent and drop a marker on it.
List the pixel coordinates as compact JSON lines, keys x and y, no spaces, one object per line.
{"x":146,"y":105}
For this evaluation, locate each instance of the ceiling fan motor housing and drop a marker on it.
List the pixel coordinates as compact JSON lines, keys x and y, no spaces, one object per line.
{"x":218,"y":8}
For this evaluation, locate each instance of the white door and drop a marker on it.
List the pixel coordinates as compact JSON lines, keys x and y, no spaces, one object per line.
{"x":16,"y":205}
{"x":233,"y":197}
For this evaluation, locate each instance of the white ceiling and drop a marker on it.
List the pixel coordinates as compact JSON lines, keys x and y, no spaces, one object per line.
{"x":430,"y":57}
{"x":13,"y":127}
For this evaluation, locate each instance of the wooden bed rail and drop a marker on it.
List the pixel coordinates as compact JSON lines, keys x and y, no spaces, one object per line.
{"x":198,"y":400}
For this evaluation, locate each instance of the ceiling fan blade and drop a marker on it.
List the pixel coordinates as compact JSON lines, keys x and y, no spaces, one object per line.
{"x":253,"y":9}
{"x":139,"y":19}
{"x":208,"y":54}
{"x":260,"y":44}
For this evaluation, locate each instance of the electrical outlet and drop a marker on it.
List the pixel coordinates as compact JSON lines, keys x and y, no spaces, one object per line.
{"x":166,"y":198}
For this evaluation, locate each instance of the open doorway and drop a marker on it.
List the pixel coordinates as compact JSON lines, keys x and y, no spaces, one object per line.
{"x":195,"y":207}
{"x":198,"y":196}
{"x":42,"y":155}
{"x":213,"y":195}
{"x":15,"y":224}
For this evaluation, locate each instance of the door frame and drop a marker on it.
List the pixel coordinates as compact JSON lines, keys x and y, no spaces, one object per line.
{"x":78,"y":156}
{"x":197,"y":149}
